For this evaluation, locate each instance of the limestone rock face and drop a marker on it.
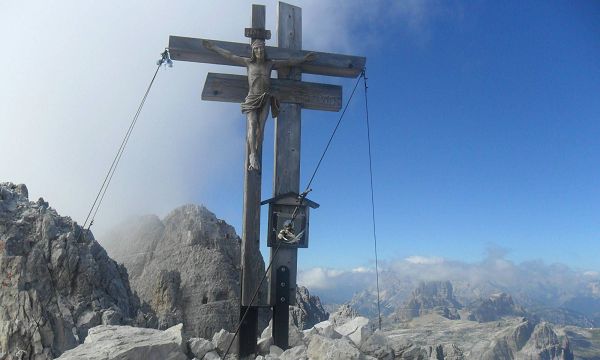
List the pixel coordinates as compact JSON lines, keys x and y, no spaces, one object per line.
{"x":185,"y":265}
{"x":431,"y":297}
{"x":166,"y":299}
{"x":125,"y":342}
{"x":494,"y":308}
{"x":509,"y":342}
{"x":544,"y":344}
{"x":449,"y":352}
{"x":56,"y":281}
{"x":308,"y":310}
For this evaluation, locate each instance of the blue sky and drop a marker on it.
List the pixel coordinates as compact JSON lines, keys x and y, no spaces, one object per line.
{"x":485,"y":133}
{"x":484,"y":121}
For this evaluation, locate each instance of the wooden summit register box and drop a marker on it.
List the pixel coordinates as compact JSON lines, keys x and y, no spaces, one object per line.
{"x":281,"y":228}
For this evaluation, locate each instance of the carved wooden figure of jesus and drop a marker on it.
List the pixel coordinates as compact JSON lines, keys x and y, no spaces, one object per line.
{"x":259,"y":99}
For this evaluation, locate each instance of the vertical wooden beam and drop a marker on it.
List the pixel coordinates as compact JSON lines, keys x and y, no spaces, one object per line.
{"x":258,"y":17}
{"x":287,"y":164}
{"x":251,"y":217}
{"x":251,"y":272}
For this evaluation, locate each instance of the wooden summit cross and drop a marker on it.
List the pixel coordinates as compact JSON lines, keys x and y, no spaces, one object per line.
{"x":294,"y":95}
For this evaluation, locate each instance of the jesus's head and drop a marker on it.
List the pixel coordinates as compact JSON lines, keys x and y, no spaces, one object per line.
{"x":258,"y":50}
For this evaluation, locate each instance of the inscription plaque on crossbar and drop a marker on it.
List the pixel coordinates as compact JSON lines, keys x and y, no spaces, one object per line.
{"x":257,"y":33}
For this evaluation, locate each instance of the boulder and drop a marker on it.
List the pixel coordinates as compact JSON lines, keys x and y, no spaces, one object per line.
{"x":357,"y":330}
{"x":211,"y":355}
{"x":267,"y":357}
{"x":296,"y":353}
{"x":108,"y":342}
{"x":267,"y":331}
{"x":264,"y":345}
{"x":322,"y":348}
{"x":326,"y":328}
{"x":295,"y":336}
{"x":222,"y":341}
{"x":200,"y":347}
{"x":378,"y":346}
{"x":275,"y":351}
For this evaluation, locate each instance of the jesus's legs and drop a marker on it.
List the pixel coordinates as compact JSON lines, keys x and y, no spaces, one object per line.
{"x":256,"y":128}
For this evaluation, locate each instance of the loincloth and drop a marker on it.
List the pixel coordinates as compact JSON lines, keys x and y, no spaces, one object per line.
{"x":256,"y":102}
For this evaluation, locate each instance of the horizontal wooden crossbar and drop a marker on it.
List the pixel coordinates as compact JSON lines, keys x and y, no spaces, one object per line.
{"x":191,"y":49}
{"x":234,"y":88}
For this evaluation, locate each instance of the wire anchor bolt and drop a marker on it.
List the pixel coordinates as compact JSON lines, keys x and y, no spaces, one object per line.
{"x":165,"y":59}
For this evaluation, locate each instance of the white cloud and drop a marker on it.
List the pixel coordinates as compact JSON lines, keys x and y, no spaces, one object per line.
{"x":424,"y":260}
{"x":75,"y":73}
{"x":363,"y":270}
{"x":319,"y":278}
{"x":526,"y":281}
{"x":339,"y":285}
{"x":75,"y":76}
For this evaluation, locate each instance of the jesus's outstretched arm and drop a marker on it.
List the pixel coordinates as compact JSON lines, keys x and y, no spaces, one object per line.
{"x":224,"y":53}
{"x":278,"y":64}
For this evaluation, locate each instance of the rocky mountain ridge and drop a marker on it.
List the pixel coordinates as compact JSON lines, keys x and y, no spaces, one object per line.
{"x":577,"y":305}
{"x":186,"y":266}
{"x":494,"y":307}
{"x":59,"y":285}
{"x":56,"y":281}
{"x":430,"y":297}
